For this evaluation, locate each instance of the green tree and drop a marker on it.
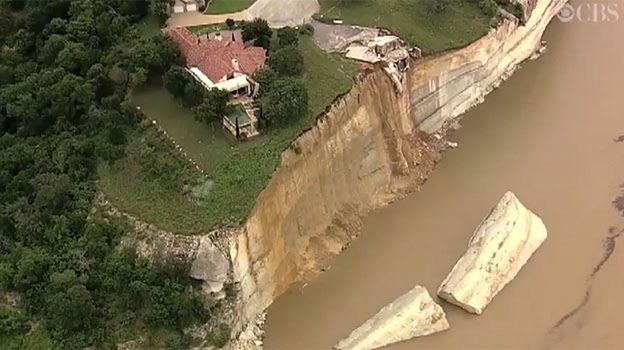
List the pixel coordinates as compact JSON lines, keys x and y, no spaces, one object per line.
{"x":285,"y":102}
{"x":155,"y":54}
{"x":257,"y":30}
{"x":213,"y":107}
{"x":138,"y":78}
{"x":306,"y":29}
{"x":71,"y":310}
{"x":7,"y":24}
{"x":193,"y":93}
{"x":489,"y":7}
{"x":175,"y":80}
{"x":52,"y":47}
{"x":265,"y":77}
{"x":74,"y":57}
{"x":230,"y":23}
{"x":13,"y":322}
{"x":158,"y":8}
{"x":288,"y":36}
{"x":287,"y":61}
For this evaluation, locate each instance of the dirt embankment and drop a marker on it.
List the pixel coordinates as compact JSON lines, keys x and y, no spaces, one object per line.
{"x":372,"y":147}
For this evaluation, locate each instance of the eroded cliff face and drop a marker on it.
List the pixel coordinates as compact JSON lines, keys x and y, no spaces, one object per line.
{"x":373,"y":146}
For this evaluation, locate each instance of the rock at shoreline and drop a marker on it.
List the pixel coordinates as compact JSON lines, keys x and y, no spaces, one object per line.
{"x":210,"y":266}
{"x":414,"y":314}
{"x":498,"y":249}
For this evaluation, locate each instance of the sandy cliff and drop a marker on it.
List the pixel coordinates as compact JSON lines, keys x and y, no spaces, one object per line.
{"x":373,"y":146}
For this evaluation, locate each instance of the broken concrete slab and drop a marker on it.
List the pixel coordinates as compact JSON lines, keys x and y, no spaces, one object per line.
{"x":413,"y":314}
{"x":498,"y":249}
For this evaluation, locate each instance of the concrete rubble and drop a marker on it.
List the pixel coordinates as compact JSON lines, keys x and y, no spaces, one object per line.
{"x":498,"y":249}
{"x":414,"y":314}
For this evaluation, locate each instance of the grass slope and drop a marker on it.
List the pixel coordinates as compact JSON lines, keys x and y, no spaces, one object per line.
{"x":460,"y":23}
{"x":219,"y":7}
{"x":157,"y":184}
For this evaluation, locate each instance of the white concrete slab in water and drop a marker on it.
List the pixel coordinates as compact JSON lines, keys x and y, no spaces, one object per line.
{"x":498,"y":249}
{"x":413,"y":314}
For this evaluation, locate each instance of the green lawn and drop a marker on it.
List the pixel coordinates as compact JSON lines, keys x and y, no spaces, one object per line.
{"x":208,"y":28}
{"x":459,"y":24}
{"x":218,"y":7}
{"x":206,"y":144}
{"x":155,"y":183}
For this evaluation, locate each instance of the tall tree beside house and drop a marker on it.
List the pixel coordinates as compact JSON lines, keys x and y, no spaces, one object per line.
{"x":213,"y":107}
{"x":265,"y":77}
{"x":182,"y":86}
{"x":158,"y":9}
{"x":175,"y":80}
{"x":285,"y":102}
{"x":288,"y":36}
{"x":230,"y":23}
{"x":155,"y":56}
{"x":287,"y":61}
{"x":259,"y":31}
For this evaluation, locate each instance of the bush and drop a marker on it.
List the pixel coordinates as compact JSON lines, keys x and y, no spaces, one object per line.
{"x":288,"y":36}
{"x":489,"y":7}
{"x":285,"y":102}
{"x":265,"y":77}
{"x":175,"y":81}
{"x":13,"y":322}
{"x":213,"y":107}
{"x":220,"y":336}
{"x":306,"y":29}
{"x":287,"y":61}
{"x":230,"y":23}
{"x":259,"y":31}
{"x":181,"y":85}
{"x":437,"y":5}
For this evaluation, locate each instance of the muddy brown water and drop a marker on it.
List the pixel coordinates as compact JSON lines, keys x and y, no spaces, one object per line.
{"x":548,"y":134}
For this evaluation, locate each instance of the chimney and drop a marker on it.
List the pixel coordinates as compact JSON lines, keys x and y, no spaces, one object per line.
{"x":235,"y":65}
{"x":233,"y":37}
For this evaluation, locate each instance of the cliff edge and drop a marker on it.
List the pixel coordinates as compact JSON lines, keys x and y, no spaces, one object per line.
{"x":373,"y":146}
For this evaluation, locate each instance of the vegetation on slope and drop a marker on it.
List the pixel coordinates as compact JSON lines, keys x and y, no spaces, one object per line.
{"x":432,"y":25}
{"x":65,"y":67}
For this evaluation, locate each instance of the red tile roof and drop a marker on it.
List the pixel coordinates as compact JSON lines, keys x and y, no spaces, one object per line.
{"x":215,"y":57}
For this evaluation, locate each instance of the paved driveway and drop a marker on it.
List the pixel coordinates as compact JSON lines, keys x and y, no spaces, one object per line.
{"x":278,"y":13}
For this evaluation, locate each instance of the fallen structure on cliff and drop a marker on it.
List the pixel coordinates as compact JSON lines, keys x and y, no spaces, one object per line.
{"x":498,"y":249}
{"x":367,"y":45}
{"x":413,"y":314}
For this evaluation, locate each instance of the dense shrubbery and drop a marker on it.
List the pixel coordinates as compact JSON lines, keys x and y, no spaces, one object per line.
{"x":489,"y":7}
{"x":65,"y":68}
{"x":288,"y":36}
{"x":284,"y":99}
{"x":257,"y":30}
{"x":287,"y":61}
{"x":284,"y":102}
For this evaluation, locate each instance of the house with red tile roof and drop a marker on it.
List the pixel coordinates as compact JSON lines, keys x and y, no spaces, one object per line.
{"x":222,"y":60}
{"x":216,"y":58}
